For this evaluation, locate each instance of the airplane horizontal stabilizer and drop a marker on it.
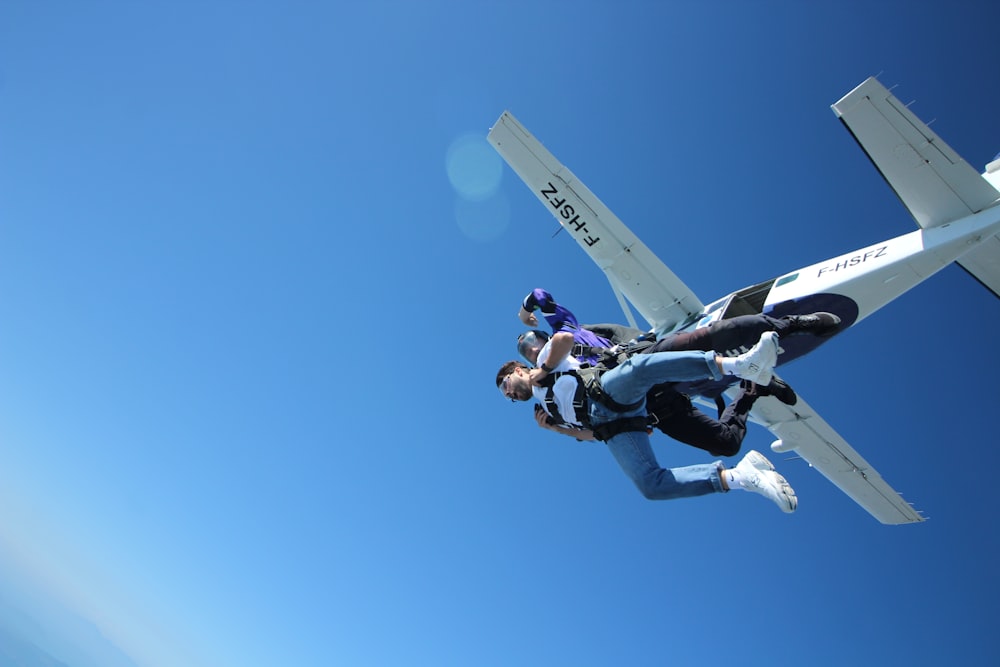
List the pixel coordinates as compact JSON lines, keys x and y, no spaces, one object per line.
{"x":633,"y":270}
{"x":933,"y":182}
{"x":984,"y":264}
{"x":801,"y":429}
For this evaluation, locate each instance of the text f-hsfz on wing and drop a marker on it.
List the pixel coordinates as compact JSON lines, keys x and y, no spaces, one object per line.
{"x":631,"y":268}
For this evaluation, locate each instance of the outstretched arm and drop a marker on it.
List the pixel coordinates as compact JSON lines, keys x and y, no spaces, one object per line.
{"x":527,"y":318}
{"x":557,"y":316}
{"x":536,"y":298}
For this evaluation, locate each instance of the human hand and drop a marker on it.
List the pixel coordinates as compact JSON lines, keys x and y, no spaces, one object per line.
{"x":527,"y":318}
{"x":543,"y":418}
{"x":535,"y":376}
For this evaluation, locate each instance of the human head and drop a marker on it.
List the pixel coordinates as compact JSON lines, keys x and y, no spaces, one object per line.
{"x":530,"y":343}
{"x":513,"y":381}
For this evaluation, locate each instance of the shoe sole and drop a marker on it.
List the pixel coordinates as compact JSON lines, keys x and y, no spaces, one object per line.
{"x":787,"y":492}
{"x":827,"y":325}
{"x":766,"y":376}
{"x":773,"y":486}
{"x":758,"y":460}
{"x":784,"y":393}
{"x":789,"y":501}
{"x":829,"y":328}
{"x":763,"y":377}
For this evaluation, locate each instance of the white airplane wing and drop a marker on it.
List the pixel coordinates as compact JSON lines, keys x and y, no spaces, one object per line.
{"x":934,"y":183}
{"x":800,"y":428}
{"x":631,"y":268}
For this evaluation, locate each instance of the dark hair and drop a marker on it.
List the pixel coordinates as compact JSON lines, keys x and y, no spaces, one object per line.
{"x":507,"y":369}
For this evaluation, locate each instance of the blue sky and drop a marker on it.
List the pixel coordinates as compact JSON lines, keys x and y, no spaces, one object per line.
{"x":250,"y":322}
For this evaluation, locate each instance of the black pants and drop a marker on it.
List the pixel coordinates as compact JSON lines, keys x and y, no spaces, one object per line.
{"x":681,"y":420}
{"x":736,"y":334}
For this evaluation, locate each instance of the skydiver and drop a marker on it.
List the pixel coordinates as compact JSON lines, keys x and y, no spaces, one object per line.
{"x":612,"y":406}
{"x":671,"y":411}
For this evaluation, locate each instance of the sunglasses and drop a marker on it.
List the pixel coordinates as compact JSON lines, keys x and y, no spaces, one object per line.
{"x":505,"y":385}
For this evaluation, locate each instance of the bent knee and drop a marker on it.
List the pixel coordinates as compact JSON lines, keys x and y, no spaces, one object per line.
{"x":725,"y":449}
{"x":650,"y":485}
{"x":647,"y":490}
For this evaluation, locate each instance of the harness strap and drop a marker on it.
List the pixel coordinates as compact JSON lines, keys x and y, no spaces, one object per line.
{"x":611,"y":357}
{"x":588,"y":385}
{"x":608,"y":430}
{"x":663,"y":402}
{"x":579,"y":399}
{"x":591,"y":379}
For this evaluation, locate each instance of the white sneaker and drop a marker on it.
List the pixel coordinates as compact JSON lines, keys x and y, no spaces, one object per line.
{"x":758,"y":475}
{"x":757,"y":364}
{"x":755,"y":459}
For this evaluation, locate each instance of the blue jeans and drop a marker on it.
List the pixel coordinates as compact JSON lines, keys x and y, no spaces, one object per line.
{"x":628,"y":383}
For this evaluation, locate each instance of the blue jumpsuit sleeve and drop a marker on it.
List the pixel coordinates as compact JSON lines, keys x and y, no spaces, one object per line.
{"x":563,"y":319}
{"x":537,"y":298}
{"x":559,"y":318}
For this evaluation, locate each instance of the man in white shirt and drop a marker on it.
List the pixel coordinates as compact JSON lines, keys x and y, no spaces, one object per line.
{"x":611,"y":405}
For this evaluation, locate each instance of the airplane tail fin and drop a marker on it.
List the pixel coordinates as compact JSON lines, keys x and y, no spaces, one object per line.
{"x":933,"y":182}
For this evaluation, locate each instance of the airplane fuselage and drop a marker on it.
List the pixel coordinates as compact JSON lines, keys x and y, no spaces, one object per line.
{"x":852,"y":286}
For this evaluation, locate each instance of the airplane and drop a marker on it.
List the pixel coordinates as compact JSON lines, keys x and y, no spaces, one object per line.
{"x":956,"y":210}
